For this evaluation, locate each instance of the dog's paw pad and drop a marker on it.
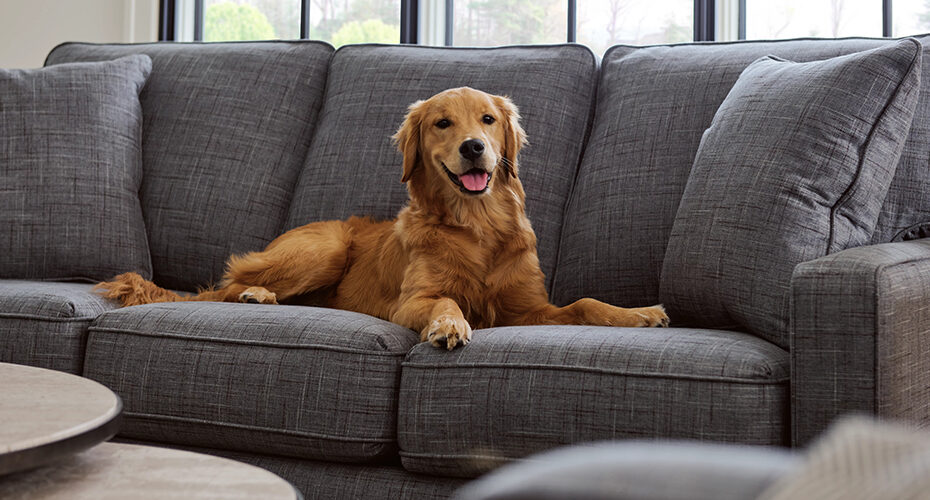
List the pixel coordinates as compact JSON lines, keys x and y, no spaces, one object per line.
{"x":653,"y":316}
{"x":447,"y":332}
{"x":258,"y":295}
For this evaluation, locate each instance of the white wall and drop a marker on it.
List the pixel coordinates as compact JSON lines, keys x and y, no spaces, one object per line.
{"x":29,"y":29}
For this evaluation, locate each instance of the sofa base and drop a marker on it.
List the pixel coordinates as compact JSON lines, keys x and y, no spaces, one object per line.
{"x":337,"y":480}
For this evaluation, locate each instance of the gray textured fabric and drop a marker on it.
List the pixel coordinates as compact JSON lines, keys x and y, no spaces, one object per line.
{"x":519,"y":390}
{"x":860,"y":336}
{"x":907,"y":203}
{"x":45,"y":324}
{"x":226,"y":130}
{"x":353,"y":169}
{"x":653,"y":105}
{"x":287,"y":380}
{"x":330,"y":480}
{"x":795,"y":165}
{"x":70,"y":169}
{"x":637,"y":470}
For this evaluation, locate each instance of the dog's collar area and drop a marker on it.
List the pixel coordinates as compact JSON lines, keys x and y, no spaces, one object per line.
{"x":458,"y":182}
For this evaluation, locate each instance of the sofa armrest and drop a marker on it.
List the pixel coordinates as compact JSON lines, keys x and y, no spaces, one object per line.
{"x":860,"y":336}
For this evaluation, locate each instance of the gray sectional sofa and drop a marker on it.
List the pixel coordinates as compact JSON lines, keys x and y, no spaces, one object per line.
{"x":241,"y":141}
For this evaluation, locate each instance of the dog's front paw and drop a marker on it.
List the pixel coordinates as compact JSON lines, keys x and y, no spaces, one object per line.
{"x":447,"y":331}
{"x":652,"y":316}
{"x":258,"y":295}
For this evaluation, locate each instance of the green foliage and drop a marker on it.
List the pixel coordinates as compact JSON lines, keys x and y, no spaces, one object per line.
{"x":334,"y":15}
{"x":370,"y":31}
{"x":229,"y":22}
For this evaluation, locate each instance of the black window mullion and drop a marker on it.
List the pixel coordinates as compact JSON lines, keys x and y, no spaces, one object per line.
{"x":703,"y":20}
{"x":198,"y":20}
{"x":741,"y":15}
{"x":304,"y":18}
{"x":166,"y":21}
{"x":450,"y":11}
{"x":572,"y":21}
{"x":886,"y":19}
{"x":409,"y":21}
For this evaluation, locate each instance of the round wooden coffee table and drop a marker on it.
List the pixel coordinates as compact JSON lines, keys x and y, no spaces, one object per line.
{"x":119,"y":471}
{"x":46,"y":415}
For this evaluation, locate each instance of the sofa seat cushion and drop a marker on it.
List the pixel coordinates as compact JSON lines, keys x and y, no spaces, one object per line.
{"x":518,"y":390}
{"x":284,"y":380}
{"x":45,"y":324}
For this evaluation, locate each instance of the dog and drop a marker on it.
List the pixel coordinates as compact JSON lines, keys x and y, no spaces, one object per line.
{"x":460,"y":255}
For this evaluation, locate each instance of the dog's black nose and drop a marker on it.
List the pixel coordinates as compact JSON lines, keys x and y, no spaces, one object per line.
{"x":472,"y":149}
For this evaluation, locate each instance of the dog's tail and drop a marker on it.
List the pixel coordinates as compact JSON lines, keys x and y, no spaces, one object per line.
{"x":130,"y":289}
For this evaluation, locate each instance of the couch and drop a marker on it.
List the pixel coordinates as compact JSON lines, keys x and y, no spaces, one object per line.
{"x":241,"y":141}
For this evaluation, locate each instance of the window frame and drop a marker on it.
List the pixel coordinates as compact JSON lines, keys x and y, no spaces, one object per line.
{"x":706,"y":20}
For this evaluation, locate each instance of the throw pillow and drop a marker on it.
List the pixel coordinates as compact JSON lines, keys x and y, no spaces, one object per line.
{"x":70,"y":171}
{"x":795,"y":165}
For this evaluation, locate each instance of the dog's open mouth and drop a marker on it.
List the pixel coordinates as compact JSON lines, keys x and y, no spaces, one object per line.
{"x":475,"y":181}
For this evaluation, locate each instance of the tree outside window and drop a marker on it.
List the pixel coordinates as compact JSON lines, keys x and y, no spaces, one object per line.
{"x":340,"y":22}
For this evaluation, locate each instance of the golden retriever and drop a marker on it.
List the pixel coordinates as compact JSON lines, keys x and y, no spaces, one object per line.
{"x":460,"y":255}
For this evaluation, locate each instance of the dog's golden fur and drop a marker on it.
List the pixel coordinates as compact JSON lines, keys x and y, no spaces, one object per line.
{"x":455,"y":258}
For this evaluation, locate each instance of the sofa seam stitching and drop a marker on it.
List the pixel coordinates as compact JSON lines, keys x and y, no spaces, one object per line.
{"x":154,"y":416}
{"x":856,"y":182}
{"x":259,"y":343}
{"x":47,"y":318}
{"x":604,"y":371}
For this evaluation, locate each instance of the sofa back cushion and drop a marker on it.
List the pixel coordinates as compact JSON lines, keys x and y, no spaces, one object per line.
{"x":353,"y":168}
{"x":226,"y":129}
{"x":653,"y":105}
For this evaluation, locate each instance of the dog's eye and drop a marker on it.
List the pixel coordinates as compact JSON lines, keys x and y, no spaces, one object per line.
{"x":487,"y":119}
{"x":443,"y":123}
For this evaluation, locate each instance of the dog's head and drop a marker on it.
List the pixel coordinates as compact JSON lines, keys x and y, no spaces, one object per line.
{"x":463,"y":137}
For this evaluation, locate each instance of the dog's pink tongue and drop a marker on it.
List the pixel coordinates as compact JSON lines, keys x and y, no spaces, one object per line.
{"x":474,"y":180}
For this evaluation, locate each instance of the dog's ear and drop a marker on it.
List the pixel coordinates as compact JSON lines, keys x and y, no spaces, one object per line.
{"x":514,"y":135}
{"x":407,"y":138}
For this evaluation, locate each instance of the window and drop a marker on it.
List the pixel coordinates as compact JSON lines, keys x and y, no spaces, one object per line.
{"x":507,"y":22}
{"x":910,"y":17}
{"x":355,"y":21}
{"x":595,"y":23}
{"x":602,"y":23}
{"x":229,"y":20}
{"x":813,"y":18}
